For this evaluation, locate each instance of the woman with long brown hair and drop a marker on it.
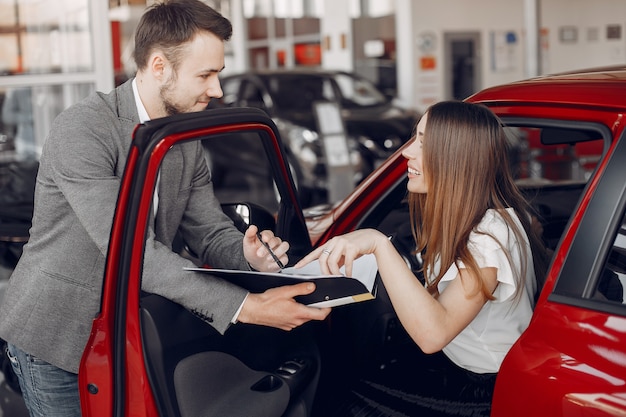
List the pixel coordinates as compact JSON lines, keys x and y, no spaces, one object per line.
{"x":481,"y":258}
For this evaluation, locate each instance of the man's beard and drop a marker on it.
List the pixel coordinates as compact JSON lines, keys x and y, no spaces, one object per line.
{"x":169,"y":107}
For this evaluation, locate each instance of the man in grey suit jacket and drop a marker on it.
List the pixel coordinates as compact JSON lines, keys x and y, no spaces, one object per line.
{"x":54,"y":292}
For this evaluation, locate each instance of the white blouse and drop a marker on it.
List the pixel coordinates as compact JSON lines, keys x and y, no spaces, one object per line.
{"x":482,"y":345}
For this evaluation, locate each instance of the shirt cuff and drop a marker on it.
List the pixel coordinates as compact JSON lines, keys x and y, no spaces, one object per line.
{"x":236,"y":316}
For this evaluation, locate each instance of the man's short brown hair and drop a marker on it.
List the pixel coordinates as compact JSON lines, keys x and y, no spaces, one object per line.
{"x":169,"y":24}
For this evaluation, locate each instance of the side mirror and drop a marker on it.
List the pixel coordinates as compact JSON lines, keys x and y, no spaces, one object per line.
{"x":246,"y":214}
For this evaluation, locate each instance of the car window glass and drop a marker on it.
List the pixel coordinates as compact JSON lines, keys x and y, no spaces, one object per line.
{"x":252,"y":96}
{"x":358,"y":92}
{"x":328,"y":92}
{"x":552,"y":168}
{"x":531,"y":159}
{"x":299,"y":92}
{"x":230,"y":89}
{"x":613,"y":279}
{"x":240,"y":171}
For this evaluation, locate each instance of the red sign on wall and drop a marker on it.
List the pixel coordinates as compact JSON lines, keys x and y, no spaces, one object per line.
{"x":308,"y":54}
{"x":428,"y":62}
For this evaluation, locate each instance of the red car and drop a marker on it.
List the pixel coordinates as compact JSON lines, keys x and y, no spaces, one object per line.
{"x":150,"y":357}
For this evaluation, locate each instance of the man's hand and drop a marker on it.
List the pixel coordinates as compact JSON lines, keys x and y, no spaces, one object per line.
{"x":276,"y":307}
{"x":258,"y":256}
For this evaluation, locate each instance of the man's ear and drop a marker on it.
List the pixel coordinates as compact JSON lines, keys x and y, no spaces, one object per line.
{"x":157,"y":65}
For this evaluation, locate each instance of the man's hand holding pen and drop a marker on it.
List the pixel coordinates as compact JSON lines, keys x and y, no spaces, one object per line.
{"x":269,"y":249}
{"x":264,"y":251}
{"x":275,"y":307}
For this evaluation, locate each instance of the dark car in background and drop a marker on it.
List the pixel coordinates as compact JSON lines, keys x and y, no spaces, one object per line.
{"x":374,"y":126}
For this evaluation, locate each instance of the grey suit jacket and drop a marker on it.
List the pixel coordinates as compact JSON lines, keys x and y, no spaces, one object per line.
{"x":54,"y":292}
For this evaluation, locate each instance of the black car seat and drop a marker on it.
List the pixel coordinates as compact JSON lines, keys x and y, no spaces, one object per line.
{"x":249,"y":371}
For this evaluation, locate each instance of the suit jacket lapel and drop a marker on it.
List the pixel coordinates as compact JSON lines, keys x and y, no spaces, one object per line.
{"x":171,"y":174}
{"x":128,"y":119}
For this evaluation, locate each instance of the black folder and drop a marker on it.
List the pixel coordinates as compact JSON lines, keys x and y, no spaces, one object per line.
{"x":330,"y":290}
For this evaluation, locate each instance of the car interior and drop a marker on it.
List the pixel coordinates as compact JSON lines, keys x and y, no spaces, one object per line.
{"x":249,"y":370}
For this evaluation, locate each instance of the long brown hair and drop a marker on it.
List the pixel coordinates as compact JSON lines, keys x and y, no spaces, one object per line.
{"x":466,"y":169}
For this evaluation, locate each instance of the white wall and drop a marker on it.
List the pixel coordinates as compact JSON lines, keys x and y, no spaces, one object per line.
{"x":483,"y":16}
{"x":504,"y":63}
{"x":590,"y":19}
{"x":493,"y":19}
{"x":334,"y":26}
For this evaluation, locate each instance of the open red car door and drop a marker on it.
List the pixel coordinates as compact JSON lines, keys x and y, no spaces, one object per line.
{"x":118,"y":376}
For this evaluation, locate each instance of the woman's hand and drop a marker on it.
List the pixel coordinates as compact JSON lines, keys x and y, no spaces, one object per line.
{"x":343,"y":250}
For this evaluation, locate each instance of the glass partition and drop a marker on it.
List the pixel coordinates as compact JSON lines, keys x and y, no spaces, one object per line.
{"x":27,"y":113}
{"x":41,"y":37}
{"x":53,"y":54}
{"x":283,"y":33}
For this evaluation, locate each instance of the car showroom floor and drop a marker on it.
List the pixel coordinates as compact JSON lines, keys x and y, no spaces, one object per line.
{"x":11,"y":404}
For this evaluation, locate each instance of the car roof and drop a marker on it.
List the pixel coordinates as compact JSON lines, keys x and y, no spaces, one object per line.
{"x":596,"y":87}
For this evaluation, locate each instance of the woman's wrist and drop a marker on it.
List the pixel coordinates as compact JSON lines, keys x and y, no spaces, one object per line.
{"x":382,"y":243}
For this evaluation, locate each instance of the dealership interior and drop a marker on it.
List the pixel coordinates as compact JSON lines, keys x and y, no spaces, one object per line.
{"x":411,"y":53}
{"x":418,"y":52}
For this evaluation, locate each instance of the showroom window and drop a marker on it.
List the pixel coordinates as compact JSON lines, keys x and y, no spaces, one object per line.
{"x":371,"y":8}
{"x":283,"y":33}
{"x":53,"y":54}
{"x":45,"y":37}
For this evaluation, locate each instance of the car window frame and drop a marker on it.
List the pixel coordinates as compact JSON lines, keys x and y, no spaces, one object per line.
{"x":572,"y":286}
{"x":579,"y":275}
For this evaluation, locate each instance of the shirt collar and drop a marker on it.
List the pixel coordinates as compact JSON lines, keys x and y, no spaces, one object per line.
{"x":143,"y":113}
